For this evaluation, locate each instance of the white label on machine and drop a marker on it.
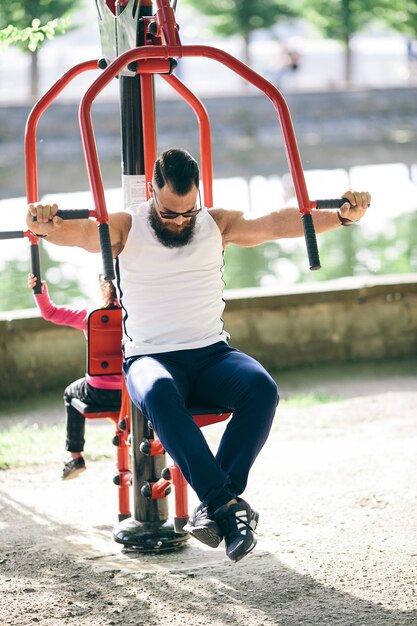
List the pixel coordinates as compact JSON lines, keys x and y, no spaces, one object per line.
{"x":134,"y":189}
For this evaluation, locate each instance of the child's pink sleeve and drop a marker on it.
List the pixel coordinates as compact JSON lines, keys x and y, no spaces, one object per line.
{"x":62,"y":315}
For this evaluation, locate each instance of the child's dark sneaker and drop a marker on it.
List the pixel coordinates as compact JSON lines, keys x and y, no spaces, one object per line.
{"x":203,"y":527}
{"x":73,"y":468}
{"x":237,"y":523}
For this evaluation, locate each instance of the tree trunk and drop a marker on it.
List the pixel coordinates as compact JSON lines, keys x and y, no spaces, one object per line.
{"x":347,"y":23}
{"x":34,"y":75}
{"x":348,"y":62}
{"x":246,"y":58}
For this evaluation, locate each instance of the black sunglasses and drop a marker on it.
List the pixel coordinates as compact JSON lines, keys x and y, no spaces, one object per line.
{"x":172,"y":215}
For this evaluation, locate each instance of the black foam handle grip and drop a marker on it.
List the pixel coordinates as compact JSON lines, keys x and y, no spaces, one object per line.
{"x":106,"y":251}
{"x":333,"y":203}
{"x":70,"y":214}
{"x":311,"y":241}
{"x":12,"y":234}
{"x":36,"y":267}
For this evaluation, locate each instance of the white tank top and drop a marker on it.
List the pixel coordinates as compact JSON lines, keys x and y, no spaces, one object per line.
{"x":172,"y":297}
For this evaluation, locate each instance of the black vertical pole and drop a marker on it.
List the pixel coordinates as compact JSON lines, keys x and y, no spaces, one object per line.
{"x":149,"y":529}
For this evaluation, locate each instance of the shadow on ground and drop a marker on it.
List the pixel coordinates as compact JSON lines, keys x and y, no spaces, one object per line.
{"x":334,"y":486}
{"x":112,"y":588}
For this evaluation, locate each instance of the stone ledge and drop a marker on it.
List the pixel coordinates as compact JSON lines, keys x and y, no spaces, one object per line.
{"x":352,"y":288}
{"x":353,"y":319}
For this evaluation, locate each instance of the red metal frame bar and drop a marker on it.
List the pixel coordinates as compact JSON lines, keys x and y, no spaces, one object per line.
{"x":33,"y":119}
{"x":19,"y":234}
{"x":205,"y":135}
{"x":124,"y":473}
{"x":148,"y":125}
{"x":31,"y":167}
{"x":165,"y":18}
{"x":165,"y":52}
{"x":181,"y":492}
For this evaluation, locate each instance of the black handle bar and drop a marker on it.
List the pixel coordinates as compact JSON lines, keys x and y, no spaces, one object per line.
{"x":333,"y":203}
{"x":12,"y":234}
{"x":311,"y":241}
{"x":104,"y":235}
{"x":70,"y":214}
{"x":309,"y":231}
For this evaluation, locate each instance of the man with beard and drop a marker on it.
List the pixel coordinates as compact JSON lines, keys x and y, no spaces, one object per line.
{"x":169,"y":263}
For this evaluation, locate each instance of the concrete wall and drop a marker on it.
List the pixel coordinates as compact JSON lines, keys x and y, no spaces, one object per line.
{"x":36,"y":355}
{"x":343,"y":320}
{"x":333,"y":129}
{"x":336,"y":321}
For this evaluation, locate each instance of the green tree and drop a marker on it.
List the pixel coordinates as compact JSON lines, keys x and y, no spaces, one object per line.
{"x":341,"y":19}
{"x":343,"y":252}
{"x":401,"y":15}
{"x":245,"y":267}
{"x":29,"y":23}
{"x":243,"y":17}
{"x":61,"y":278}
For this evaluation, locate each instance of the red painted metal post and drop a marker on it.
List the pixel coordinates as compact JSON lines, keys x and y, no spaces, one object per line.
{"x":204,"y":132}
{"x":33,"y":119}
{"x":148,"y":125}
{"x":31,"y":167}
{"x":165,"y":52}
{"x":278,"y":101}
{"x":166,"y":19}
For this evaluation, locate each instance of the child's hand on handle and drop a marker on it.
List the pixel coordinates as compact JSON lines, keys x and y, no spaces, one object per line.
{"x":32,"y":280}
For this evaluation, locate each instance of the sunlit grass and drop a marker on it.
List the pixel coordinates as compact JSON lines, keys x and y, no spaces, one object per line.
{"x":310,"y":399}
{"x":21,"y":446}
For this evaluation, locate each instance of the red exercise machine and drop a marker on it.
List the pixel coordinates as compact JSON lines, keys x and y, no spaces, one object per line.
{"x":139,"y":44}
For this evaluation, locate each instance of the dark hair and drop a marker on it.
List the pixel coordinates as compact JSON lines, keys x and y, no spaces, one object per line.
{"x":108,"y":293}
{"x":178,"y":169}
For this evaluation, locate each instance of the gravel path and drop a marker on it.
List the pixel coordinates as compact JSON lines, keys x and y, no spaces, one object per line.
{"x":336,"y":490}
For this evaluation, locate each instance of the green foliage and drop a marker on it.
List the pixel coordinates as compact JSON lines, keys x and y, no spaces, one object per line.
{"x":32,"y":37}
{"x":401,"y":15}
{"x":311,"y":399}
{"x":343,"y":252}
{"x":246,"y":267}
{"x":339,"y":19}
{"x":62,"y":281}
{"x":353,"y":251}
{"x":21,"y":13}
{"x":240,"y":17}
{"x":29,"y":23}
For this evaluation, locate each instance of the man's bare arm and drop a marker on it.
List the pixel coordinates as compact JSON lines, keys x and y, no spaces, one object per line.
{"x":240,"y":229}
{"x":80,"y":233}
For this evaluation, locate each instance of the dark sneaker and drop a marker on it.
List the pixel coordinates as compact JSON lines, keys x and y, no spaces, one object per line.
{"x":73,"y":468}
{"x":203,"y":527}
{"x":238,"y":523}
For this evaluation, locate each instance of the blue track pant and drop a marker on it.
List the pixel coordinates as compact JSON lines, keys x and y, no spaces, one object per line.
{"x":161,"y":385}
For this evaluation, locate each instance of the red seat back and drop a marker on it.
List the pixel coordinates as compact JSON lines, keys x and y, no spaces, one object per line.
{"x":104,"y":353}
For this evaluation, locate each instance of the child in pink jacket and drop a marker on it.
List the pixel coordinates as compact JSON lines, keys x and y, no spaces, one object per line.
{"x":101,"y":390}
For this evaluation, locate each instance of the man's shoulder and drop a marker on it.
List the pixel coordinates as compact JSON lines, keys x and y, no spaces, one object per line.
{"x":223,"y":218}
{"x":120,"y":223}
{"x":121,"y":219}
{"x":218,"y":215}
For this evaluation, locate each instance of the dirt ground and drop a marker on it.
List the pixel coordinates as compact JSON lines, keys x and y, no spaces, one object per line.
{"x":335,"y":487}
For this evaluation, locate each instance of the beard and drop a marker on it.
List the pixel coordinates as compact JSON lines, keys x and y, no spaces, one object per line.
{"x":174,"y":236}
